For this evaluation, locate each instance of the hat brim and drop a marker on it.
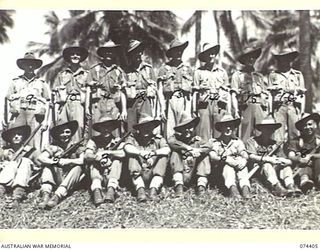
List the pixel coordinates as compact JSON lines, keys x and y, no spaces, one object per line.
{"x":106,"y":125}
{"x":147,"y":125}
{"x":204,"y":54}
{"x":182,"y":46}
{"x":234,"y":122}
{"x":190,"y":123}
{"x":314,"y":116}
{"x":56,"y":130}
{"x":274,"y":126}
{"x":103,"y":50}
{"x":290,"y":57}
{"x":255,"y":53}
{"x":24,"y":130}
{"x":23,"y":63}
{"x":136,"y":48}
{"x":67,"y":52}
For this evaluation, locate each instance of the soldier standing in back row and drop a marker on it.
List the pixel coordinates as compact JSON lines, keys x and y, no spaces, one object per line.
{"x":175,"y":79}
{"x":141,"y":89}
{"x":107,"y":80}
{"x":70,"y":89}
{"x":287,"y":88}
{"x":29,"y":98}
{"x":211,"y":92}
{"x":249,"y":93}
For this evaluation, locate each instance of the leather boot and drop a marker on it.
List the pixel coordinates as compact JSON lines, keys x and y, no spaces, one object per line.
{"x":53,"y":201}
{"x":293,"y":191}
{"x":201,"y":190}
{"x":141,"y":195}
{"x":45,"y":199}
{"x":97,"y":197}
{"x":278,"y":190}
{"x":2,"y":190}
{"x":246,"y":192}
{"x":19,"y":193}
{"x":306,"y":184}
{"x":179,"y":190}
{"x":153,"y":194}
{"x":110,"y":196}
{"x":234,"y":192}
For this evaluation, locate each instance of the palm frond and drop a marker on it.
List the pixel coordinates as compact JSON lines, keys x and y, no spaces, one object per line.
{"x":189,"y":23}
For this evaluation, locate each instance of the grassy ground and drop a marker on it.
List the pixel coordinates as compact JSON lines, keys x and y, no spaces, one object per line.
{"x":263,"y":211}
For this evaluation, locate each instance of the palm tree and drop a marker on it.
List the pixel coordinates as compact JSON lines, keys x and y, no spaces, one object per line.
{"x":6,"y":22}
{"x":194,"y":21}
{"x":92,"y":29}
{"x":305,"y":54}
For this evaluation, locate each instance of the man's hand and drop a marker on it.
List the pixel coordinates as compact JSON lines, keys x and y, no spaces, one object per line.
{"x":44,"y":126}
{"x":196,"y":152}
{"x":123,"y":115}
{"x":64,"y":162}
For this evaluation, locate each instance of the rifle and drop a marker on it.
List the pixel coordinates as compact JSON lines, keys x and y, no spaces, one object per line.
{"x":105,"y":160}
{"x":297,"y":168}
{"x":17,"y":155}
{"x":66,"y":153}
{"x":87,"y":132}
{"x":254,"y":170}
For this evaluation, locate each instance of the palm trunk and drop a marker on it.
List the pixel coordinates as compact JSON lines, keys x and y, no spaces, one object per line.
{"x":305,"y":55}
{"x":198,"y":33}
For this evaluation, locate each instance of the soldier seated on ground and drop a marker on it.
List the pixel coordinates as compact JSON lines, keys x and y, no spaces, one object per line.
{"x":267,"y":154}
{"x":229,"y":153}
{"x":105,"y":157}
{"x":304,"y":152}
{"x":148,"y":157}
{"x":189,"y":158}
{"x":17,"y":168}
{"x":62,"y":167}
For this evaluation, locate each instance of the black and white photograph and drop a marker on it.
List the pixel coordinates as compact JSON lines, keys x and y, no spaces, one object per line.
{"x":160,"y":119}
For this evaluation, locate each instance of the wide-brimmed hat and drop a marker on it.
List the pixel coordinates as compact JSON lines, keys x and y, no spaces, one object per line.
{"x":176,"y":45}
{"x":268,"y":122}
{"x":106,"y":122}
{"x":305,"y":117}
{"x":226,"y":120}
{"x":110,"y":46}
{"x":208,"y":49}
{"x":186,"y":122}
{"x":146,"y":122}
{"x":249,"y":53}
{"x":135,"y":46}
{"x":16,"y":128}
{"x":286,"y":54}
{"x":29,"y":59}
{"x":56,"y":130}
{"x":67,"y":52}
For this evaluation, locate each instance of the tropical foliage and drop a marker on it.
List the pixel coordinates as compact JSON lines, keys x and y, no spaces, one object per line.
{"x":6,"y":22}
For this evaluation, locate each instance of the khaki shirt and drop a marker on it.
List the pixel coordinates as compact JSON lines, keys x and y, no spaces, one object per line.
{"x":176,"y":78}
{"x":141,"y":80}
{"x":156,"y":142}
{"x":253,"y":147}
{"x":287,"y":84}
{"x":234,"y":148}
{"x":70,"y":85}
{"x":249,"y":87}
{"x":31,"y":94}
{"x":107,"y":82}
{"x":212,"y":84}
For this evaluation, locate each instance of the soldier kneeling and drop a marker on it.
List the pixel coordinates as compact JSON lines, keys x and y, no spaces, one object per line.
{"x":104,"y":154}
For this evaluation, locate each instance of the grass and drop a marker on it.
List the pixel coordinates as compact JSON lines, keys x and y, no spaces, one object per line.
{"x":263,"y":211}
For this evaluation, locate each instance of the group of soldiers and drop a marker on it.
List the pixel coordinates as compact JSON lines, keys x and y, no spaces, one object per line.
{"x":106,"y":121}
